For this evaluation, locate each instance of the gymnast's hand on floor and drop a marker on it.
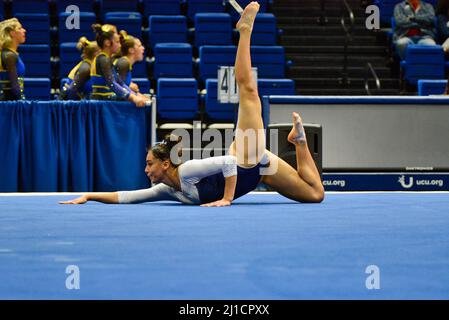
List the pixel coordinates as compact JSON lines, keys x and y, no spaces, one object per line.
{"x":219,"y":203}
{"x":80,"y":200}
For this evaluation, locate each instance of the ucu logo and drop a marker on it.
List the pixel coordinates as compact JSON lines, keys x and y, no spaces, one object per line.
{"x":404,"y":184}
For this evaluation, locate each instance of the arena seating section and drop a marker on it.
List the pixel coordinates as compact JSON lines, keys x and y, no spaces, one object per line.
{"x":185,"y":40}
{"x":421,"y":63}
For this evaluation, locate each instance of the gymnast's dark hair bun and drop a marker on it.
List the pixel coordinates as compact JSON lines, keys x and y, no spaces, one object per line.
{"x":163,"y":150}
{"x":103,"y":32}
{"x":123,"y":35}
{"x":88,"y":48}
{"x":127,"y":42}
{"x":96,"y":27}
{"x":171,"y":140}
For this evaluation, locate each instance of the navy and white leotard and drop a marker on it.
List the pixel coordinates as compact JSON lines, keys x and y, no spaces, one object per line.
{"x":202,"y":181}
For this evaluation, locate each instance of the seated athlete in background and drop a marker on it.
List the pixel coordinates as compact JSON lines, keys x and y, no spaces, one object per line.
{"x":217,"y":181}
{"x":79,"y":85}
{"x":106,"y":85}
{"x":12,"y":68}
{"x":131,"y":51}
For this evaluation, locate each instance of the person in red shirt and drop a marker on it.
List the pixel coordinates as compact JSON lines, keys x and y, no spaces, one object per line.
{"x":415,"y":21}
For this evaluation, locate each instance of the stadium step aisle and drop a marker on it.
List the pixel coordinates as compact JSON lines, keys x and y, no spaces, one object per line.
{"x":317,"y":51}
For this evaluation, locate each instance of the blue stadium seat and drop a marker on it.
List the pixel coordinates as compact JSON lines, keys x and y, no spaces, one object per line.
{"x":37,"y":88}
{"x":269,"y":60}
{"x":83,"y":5}
{"x":37,"y":26}
{"x":386,"y":9}
{"x":203,"y":6}
{"x":216,"y":111}
{"x":167,"y":29}
{"x":69,"y":57}
{"x":36,"y":58}
{"x":213,"y":29}
{"x":71,"y":35}
{"x":140,"y":69}
{"x":284,"y":87}
{"x":177,"y":99}
{"x":173,"y":60}
{"x":161,"y":7}
{"x":129,"y":21}
{"x":264,"y":31}
{"x":243,"y":3}
{"x":144,"y":85}
{"x":30,"y":6}
{"x":118,"y":5}
{"x":430,"y":87}
{"x":423,"y":62}
{"x":212,"y":57}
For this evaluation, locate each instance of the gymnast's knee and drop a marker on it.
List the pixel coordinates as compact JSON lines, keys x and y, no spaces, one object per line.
{"x":247,"y":85}
{"x":249,"y":100}
{"x":318,"y":196}
{"x":315,"y":196}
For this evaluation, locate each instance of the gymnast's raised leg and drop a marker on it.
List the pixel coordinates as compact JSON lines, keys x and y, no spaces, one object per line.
{"x":249,"y":143}
{"x":303,"y":184}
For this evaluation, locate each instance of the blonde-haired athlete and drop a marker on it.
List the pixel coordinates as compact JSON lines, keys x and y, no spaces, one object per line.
{"x":12,"y":68}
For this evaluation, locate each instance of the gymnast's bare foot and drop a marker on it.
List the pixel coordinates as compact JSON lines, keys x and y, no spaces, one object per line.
{"x":248,"y":16}
{"x":297,"y":134}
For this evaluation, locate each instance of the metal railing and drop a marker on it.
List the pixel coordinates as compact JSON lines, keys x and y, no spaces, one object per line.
{"x":345,"y":8}
{"x":370,"y":71}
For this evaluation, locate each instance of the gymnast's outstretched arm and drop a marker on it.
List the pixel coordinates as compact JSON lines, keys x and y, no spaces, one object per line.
{"x":108,"y":197}
{"x":157,"y":193}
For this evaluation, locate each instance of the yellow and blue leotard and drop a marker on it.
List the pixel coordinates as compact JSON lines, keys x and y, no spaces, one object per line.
{"x":80,"y":84}
{"x":106,"y":84}
{"x":124,"y":69}
{"x":12,"y":72}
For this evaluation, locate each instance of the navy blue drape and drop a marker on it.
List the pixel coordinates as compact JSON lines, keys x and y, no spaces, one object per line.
{"x":49,"y":146}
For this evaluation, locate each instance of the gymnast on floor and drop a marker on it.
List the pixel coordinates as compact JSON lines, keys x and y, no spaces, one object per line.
{"x":217,"y":181}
